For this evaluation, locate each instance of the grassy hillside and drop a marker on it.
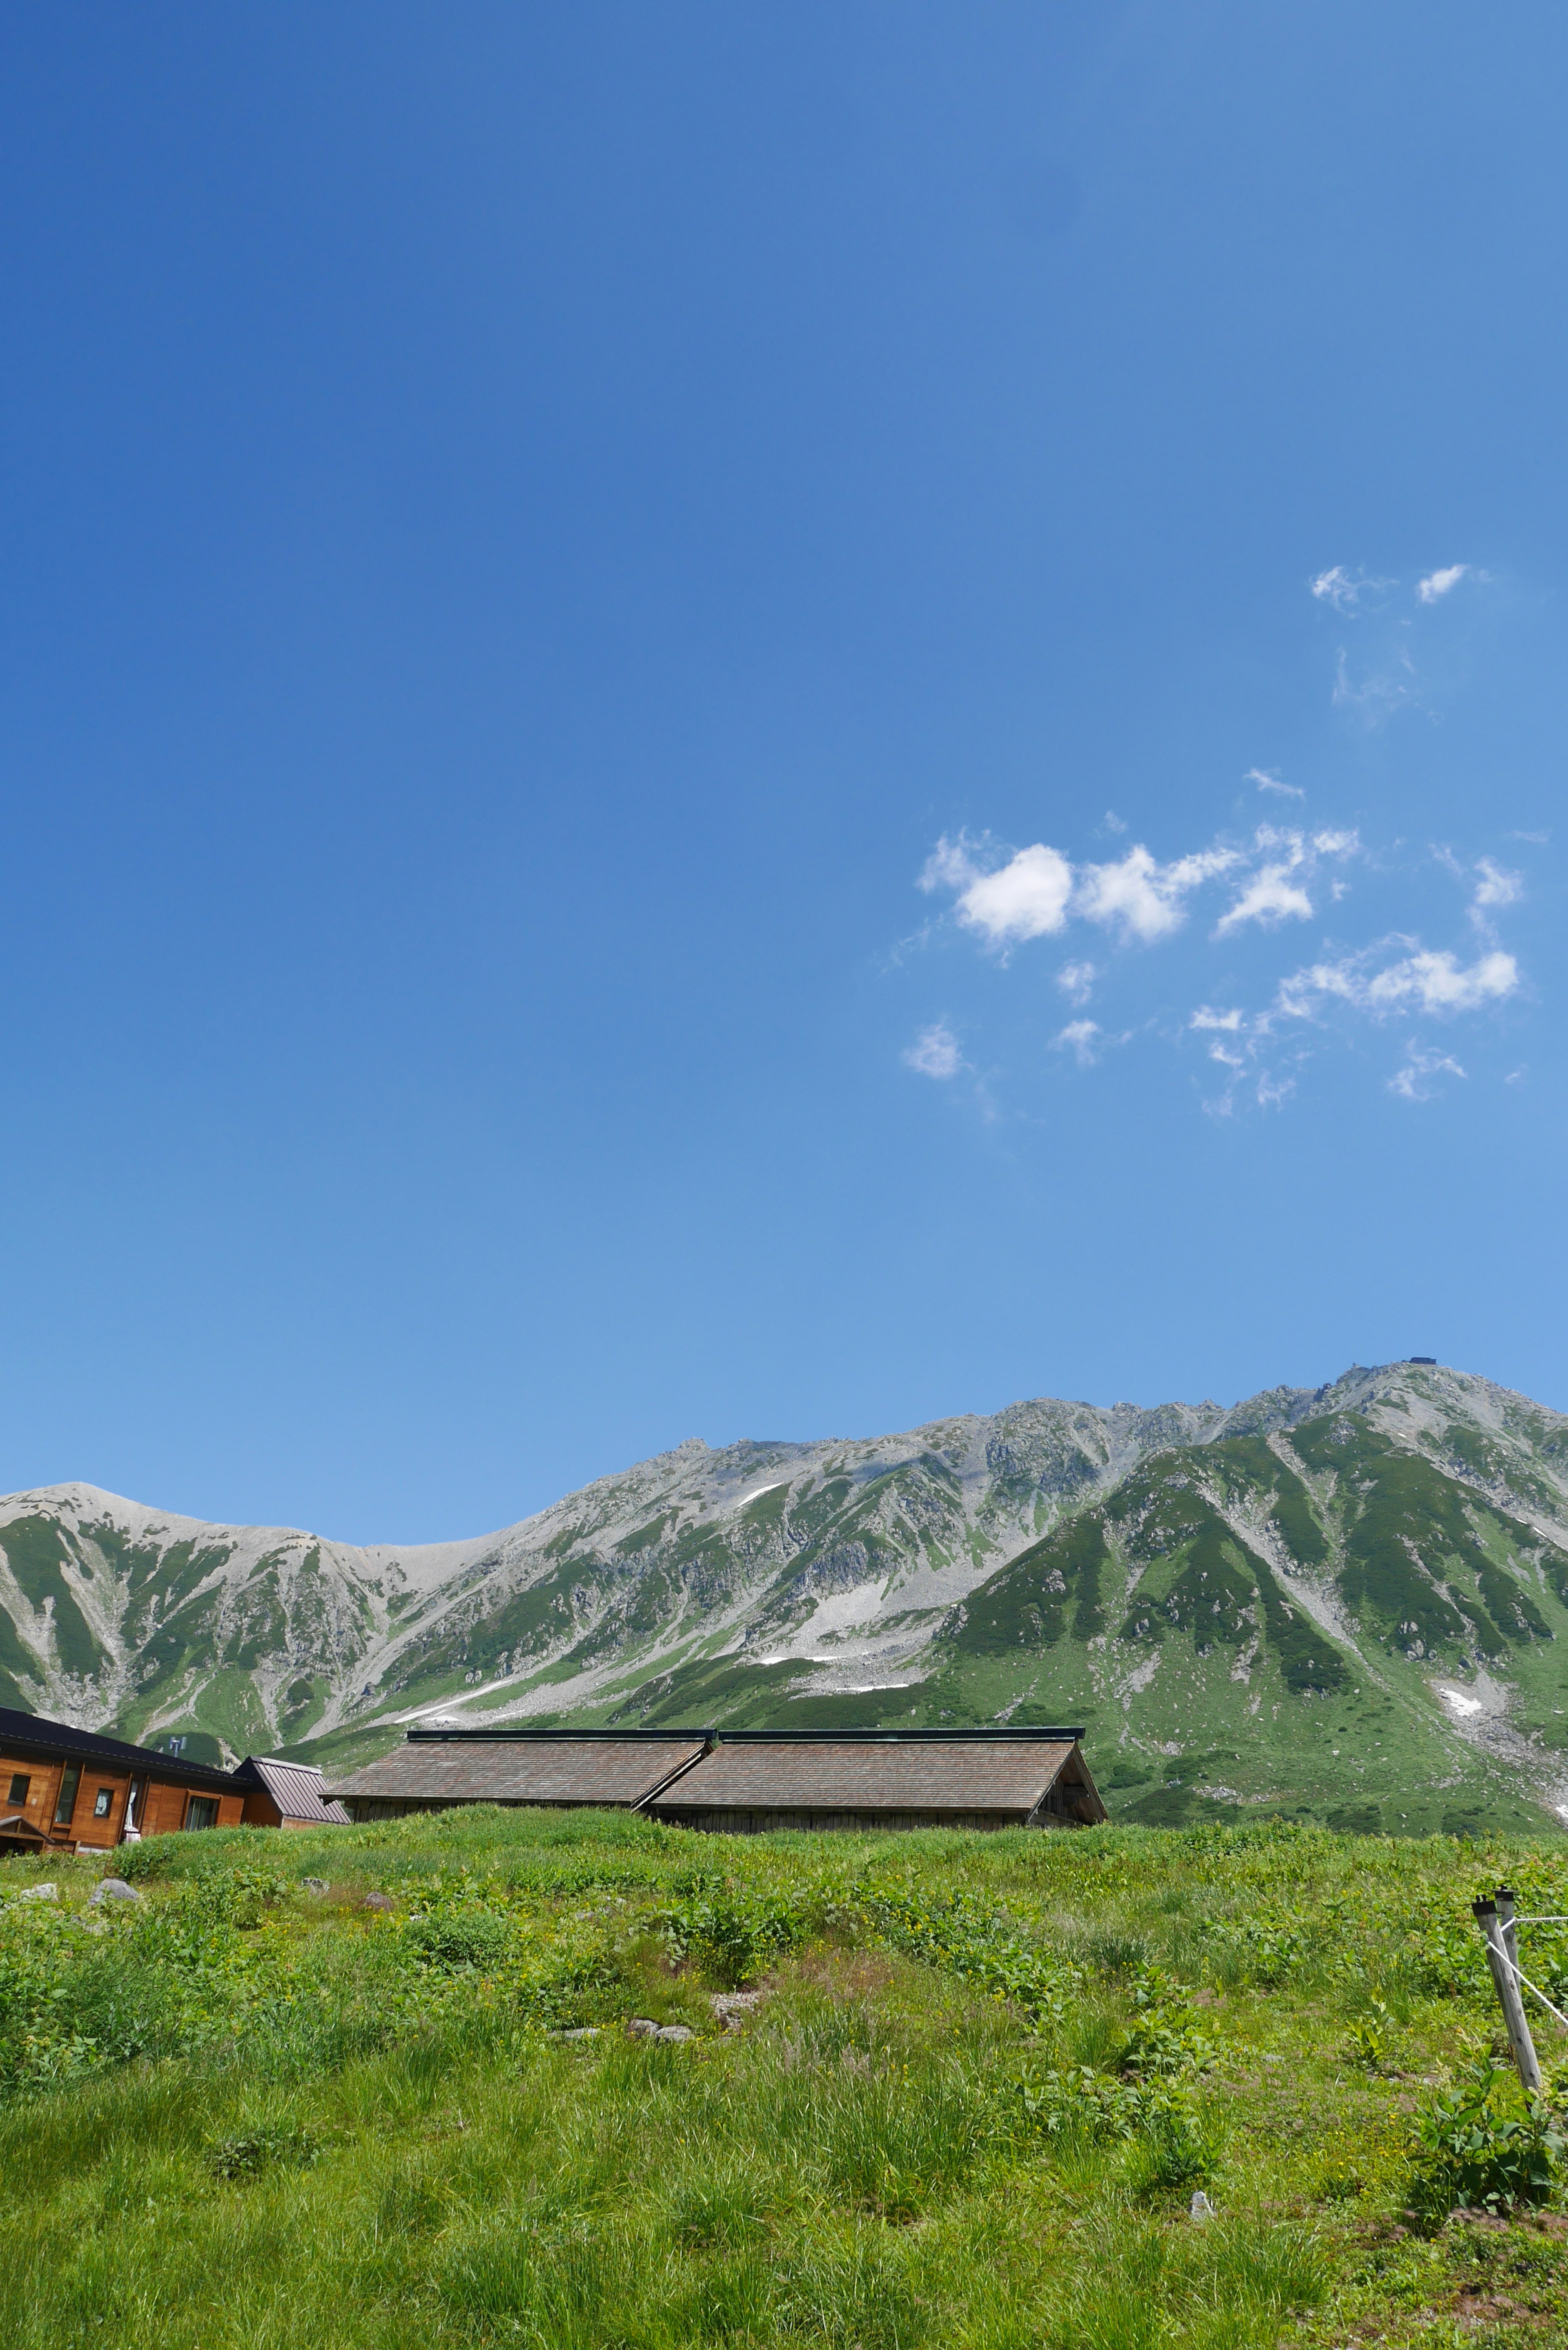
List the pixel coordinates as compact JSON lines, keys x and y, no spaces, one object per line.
{"x":970,"y":2105}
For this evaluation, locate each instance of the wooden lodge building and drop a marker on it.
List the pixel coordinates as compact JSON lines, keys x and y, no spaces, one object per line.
{"x":69,"y":1790}
{"x":744,"y":1782}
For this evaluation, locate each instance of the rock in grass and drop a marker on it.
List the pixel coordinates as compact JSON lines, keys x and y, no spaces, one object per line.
{"x":378,"y":1901}
{"x":49,"y":1892}
{"x":113,"y":1888}
{"x":642,"y":2027}
{"x":732,"y":2007}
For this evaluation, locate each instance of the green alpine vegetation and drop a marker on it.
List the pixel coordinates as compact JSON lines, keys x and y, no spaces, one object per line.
{"x":1346,"y":1604}
{"x":579,"y":2082}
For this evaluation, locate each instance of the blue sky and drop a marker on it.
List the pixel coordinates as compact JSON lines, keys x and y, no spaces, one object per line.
{"x":767,"y":720}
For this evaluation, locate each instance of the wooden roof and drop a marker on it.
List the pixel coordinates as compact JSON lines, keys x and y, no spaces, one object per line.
{"x":543,"y":1768}
{"x":1004,"y":1772}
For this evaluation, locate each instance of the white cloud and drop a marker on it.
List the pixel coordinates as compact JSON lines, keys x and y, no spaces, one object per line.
{"x":1112,"y":822}
{"x":1430,"y":981}
{"x":1438,"y":583}
{"x":1270,"y":897}
{"x":1036,"y":891}
{"x":1270,"y":783}
{"x":1497,"y":887}
{"x":1414,"y":1081}
{"x":1080,"y":1036}
{"x":1437,"y":982}
{"x":1344,"y":590}
{"x":1277,"y":890}
{"x":1023,"y":899}
{"x":950,"y":864}
{"x":1279,"y":873}
{"x":935,"y":1052}
{"x":1142,"y":898}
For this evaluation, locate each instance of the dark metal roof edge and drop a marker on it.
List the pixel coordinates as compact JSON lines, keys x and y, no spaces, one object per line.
{"x":990,"y":1736}
{"x":47,"y":1737}
{"x":507,"y":1731}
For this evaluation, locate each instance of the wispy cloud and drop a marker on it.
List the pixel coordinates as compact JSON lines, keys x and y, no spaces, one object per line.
{"x":1082,"y":1037}
{"x":1497,"y":887}
{"x":1438,"y":584}
{"x":1378,"y":692}
{"x":1277,"y":890}
{"x":1415,"y":1082}
{"x":1270,"y":897}
{"x":1272,"y":782}
{"x":1346,"y":590}
{"x":1077,"y":981}
{"x":1431,"y":980}
{"x":935,"y":1052}
{"x":1207,"y":1017}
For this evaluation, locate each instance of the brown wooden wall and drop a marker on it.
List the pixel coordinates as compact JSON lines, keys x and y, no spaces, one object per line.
{"x":729,"y":1822}
{"x":163,"y":1808}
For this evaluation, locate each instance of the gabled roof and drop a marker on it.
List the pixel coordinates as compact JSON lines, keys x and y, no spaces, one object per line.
{"x":295,"y":1787}
{"x":543,"y":1768}
{"x":31,"y":1733}
{"x":1002,"y":1773}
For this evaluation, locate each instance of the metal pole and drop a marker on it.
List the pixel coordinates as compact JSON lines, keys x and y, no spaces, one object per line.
{"x":1499,"y":1960}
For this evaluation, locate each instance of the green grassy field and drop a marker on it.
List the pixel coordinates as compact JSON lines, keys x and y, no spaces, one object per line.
{"x":972,"y":2105}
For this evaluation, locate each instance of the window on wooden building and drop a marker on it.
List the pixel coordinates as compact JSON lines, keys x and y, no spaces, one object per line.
{"x":202,"y":1812}
{"x":67,"y":1799}
{"x":103,"y":1803}
{"x":20,"y":1783}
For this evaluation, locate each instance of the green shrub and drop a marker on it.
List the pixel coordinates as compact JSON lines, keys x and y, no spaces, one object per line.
{"x":1483,"y":2145}
{"x":478,"y":1939}
{"x":259,"y":2149}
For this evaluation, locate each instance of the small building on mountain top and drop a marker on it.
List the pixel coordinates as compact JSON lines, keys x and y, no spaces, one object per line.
{"x":69,"y":1790}
{"x":435,"y":1769}
{"x":753,"y":1781}
{"x":284,"y":1795}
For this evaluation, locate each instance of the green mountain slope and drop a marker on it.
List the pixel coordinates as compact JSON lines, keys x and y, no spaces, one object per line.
{"x":1310,"y":1624}
{"x":1349,"y":1604}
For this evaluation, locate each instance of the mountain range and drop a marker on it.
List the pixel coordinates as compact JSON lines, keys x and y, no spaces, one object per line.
{"x":1348,"y":1604}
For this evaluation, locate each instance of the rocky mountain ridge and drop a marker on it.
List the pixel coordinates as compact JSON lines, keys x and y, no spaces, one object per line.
{"x":1170,"y":1574}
